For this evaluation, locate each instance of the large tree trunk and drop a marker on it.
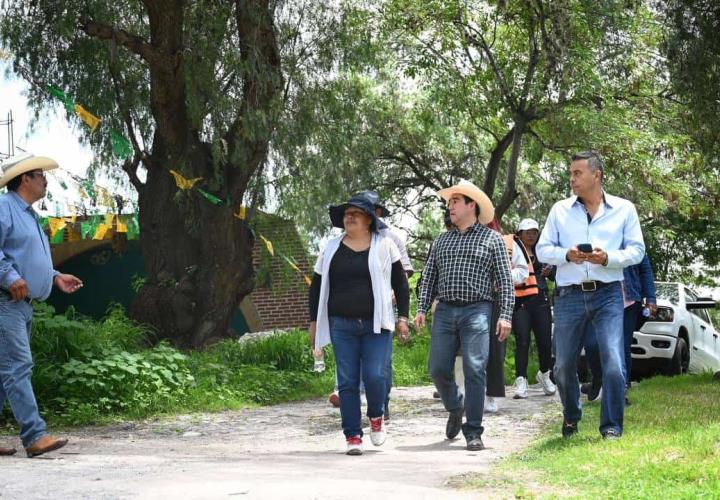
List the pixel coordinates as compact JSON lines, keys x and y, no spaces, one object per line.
{"x":198,"y":256}
{"x":198,"y":259}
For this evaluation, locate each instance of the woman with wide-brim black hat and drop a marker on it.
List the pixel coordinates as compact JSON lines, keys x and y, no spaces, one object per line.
{"x":351,"y":307}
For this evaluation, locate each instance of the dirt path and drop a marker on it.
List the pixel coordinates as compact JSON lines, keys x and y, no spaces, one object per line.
{"x":293,"y":450}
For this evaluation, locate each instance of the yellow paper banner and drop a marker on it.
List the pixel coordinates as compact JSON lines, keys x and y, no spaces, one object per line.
{"x":268,"y":244}
{"x":121,"y":228}
{"x":109,"y":220}
{"x":102,"y":230}
{"x":182,"y":182}
{"x":56,"y":225}
{"x":104,"y":197}
{"x":86,"y":116}
{"x":241,"y":213}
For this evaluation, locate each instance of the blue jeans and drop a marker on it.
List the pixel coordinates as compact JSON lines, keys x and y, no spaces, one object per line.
{"x":630,"y":321}
{"x":356,"y":345}
{"x":467,"y":327}
{"x":388,"y":371}
{"x":388,"y":374}
{"x":16,"y":368}
{"x":578,"y":314}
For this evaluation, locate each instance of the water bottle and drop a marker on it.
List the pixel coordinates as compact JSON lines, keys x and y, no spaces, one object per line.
{"x":319,"y":358}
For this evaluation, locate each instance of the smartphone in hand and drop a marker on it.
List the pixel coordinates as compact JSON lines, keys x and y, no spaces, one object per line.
{"x":585,"y":248}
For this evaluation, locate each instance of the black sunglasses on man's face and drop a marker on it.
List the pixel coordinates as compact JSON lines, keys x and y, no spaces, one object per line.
{"x":35,"y":173}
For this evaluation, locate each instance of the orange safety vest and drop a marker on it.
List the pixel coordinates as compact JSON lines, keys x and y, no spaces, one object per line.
{"x":529,"y":286}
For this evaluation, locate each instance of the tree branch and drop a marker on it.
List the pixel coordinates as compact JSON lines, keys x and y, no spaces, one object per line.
{"x":493,"y":166}
{"x":133,"y":43}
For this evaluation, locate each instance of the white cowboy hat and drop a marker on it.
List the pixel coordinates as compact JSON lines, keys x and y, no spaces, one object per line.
{"x":487,"y":210}
{"x":16,"y":165}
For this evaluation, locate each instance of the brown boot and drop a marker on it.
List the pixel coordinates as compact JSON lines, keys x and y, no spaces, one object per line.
{"x":7,"y":451}
{"x":45,"y":444}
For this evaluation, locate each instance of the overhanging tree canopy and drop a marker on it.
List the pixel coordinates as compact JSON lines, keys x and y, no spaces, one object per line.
{"x":195,"y":86}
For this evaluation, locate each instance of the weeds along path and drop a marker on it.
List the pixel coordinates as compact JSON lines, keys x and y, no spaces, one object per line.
{"x":292,"y":451}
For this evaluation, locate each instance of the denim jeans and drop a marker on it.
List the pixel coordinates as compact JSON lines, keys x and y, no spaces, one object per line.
{"x":16,"y":368}
{"x":467,"y":327}
{"x":388,"y":371}
{"x":630,"y":321}
{"x":599,"y":313}
{"x":356,"y":345}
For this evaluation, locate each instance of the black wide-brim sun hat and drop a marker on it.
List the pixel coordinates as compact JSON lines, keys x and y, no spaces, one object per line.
{"x":337,"y":212}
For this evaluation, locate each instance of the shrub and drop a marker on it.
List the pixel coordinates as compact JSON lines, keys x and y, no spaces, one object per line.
{"x":119,"y":380}
{"x":283,"y":351}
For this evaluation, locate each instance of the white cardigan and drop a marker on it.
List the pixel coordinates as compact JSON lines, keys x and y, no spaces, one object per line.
{"x":383,"y":252}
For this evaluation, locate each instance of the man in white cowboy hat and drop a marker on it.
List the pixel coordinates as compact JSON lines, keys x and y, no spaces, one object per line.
{"x":26,"y":275}
{"x":464,"y":265}
{"x":590,"y":237}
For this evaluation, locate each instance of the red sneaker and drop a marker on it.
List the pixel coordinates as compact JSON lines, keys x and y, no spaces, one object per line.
{"x":334,"y":399}
{"x":354,"y":445}
{"x":378,"y":433}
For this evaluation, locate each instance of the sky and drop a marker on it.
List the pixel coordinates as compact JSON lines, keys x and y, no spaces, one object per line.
{"x":52,"y":135}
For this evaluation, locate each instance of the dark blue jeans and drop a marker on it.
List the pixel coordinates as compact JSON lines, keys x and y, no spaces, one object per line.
{"x":388,"y":370}
{"x":576,"y":314}
{"x":356,"y":345}
{"x":467,"y":327}
{"x":592,"y":353}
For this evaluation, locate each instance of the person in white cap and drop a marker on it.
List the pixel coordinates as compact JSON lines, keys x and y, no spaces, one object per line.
{"x":532,"y":313}
{"x":463,"y":266}
{"x":26,"y":275}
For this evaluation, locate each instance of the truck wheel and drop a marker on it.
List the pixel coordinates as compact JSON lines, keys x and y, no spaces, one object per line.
{"x":680,"y":360}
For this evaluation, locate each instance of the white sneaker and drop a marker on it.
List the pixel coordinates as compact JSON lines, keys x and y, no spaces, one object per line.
{"x":490,"y":405}
{"x":521,"y":388}
{"x":378,"y":432}
{"x":354,"y":445}
{"x":547,"y":385}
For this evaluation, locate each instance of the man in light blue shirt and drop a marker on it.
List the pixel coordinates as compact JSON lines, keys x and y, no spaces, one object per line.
{"x":590,"y":237}
{"x":26,"y":275}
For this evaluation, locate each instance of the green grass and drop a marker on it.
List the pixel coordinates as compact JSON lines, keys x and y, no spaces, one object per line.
{"x":670,"y":449}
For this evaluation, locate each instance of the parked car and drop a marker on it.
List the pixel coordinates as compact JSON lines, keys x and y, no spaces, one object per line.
{"x":680,"y":337}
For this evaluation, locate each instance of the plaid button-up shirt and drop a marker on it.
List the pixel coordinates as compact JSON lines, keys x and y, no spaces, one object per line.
{"x":467,"y":267}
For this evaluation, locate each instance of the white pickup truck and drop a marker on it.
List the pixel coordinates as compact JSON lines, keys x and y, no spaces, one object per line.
{"x":680,"y":337}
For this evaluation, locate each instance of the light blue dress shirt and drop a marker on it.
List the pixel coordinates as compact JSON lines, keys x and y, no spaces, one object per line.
{"x":615,"y":229}
{"x":24,"y":248}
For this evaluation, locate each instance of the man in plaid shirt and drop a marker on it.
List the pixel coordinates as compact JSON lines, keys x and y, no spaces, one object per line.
{"x":465,"y":264}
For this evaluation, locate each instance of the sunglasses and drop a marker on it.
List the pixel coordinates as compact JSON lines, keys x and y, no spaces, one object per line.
{"x":36,"y":173}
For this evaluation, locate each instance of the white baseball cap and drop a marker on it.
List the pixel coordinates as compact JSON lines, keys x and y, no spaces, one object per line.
{"x":526,"y":224}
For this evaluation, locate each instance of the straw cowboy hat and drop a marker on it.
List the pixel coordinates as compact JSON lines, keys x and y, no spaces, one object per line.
{"x":17,"y":165}
{"x":487,"y":210}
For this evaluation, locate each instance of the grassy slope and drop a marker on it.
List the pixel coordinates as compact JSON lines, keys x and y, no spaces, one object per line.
{"x":670,"y":449}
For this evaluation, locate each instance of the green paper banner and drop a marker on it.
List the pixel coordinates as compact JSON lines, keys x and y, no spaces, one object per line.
{"x":58,"y":238}
{"x":121,"y":147}
{"x":133,"y":228}
{"x":87,"y":230}
{"x":89,"y":187}
{"x":67,"y":101}
{"x":211,"y":198}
